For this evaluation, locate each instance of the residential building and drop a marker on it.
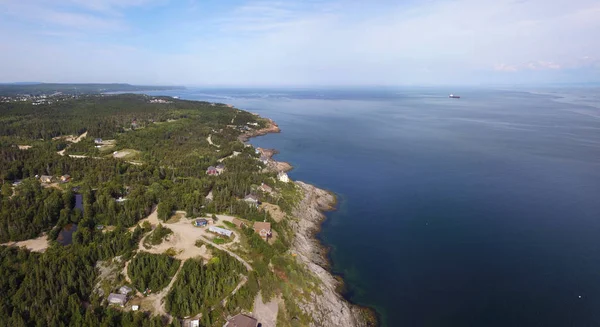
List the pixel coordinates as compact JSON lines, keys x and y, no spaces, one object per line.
{"x":263,"y":229}
{"x":238,"y":223}
{"x":98,"y":141}
{"x":212,"y":171}
{"x":220,"y":231}
{"x":283,"y":177}
{"x":46,"y":179}
{"x":266,"y":188}
{"x":220,"y":168}
{"x":119,"y":299}
{"x":65,"y":178}
{"x":125,"y":290}
{"x":200,"y":222}
{"x":252,"y":200}
{"x":241,"y":320}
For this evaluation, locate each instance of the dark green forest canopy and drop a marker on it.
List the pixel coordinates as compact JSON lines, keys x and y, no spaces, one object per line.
{"x":67,"y":88}
{"x":172,"y":153}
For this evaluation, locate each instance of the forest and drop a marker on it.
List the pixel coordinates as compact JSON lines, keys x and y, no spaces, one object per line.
{"x":88,"y":88}
{"x":152,"y":271}
{"x":106,"y":196}
{"x":201,"y":286}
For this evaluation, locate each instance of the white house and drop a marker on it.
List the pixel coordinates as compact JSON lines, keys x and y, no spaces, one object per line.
{"x":282,"y":176}
{"x":220,"y":231}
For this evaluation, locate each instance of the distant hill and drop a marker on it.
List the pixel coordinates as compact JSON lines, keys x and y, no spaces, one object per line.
{"x":33,"y":88}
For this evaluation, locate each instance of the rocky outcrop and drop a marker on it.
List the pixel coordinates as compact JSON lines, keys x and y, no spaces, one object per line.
{"x":270,"y":128}
{"x":328,"y":308}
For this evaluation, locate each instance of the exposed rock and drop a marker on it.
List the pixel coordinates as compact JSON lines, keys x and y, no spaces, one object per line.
{"x":271,"y":128}
{"x":328,"y":308}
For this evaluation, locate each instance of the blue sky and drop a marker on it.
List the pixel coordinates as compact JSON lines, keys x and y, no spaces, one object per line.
{"x":311,"y":42}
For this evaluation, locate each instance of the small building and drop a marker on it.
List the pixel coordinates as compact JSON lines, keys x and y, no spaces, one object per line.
{"x":98,"y":141}
{"x":263,"y":229}
{"x":220,"y":231}
{"x":65,"y":178}
{"x":241,"y":320}
{"x":266,"y":188}
{"x":238,"y":223}
{"x":200,"y":222}
{"x":125,"y":290}
{"x":220,"y":168}
{"x":119,"y":299}
{"x":195,"y":323}
{"x":99,"y":227}
{"x":283,"y":177}
{"x":46,"y":179}
{"x":212,"y":171}
{"x":135,"y":307}
{"x":252,"y":200}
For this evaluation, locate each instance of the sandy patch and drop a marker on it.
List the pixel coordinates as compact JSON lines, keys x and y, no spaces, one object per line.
{"x":78,"y":139}
{"x":234,"y":154}
{"x":209,"y":140}
{"x":266,"y":313}
{"x":39,"y":244}
{"x":126,"y":154}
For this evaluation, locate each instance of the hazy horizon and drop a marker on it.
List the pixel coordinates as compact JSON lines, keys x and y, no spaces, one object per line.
{"x":316,"y":42}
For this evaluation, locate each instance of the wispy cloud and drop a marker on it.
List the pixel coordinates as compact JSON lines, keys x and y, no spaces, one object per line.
{"x":304,"y":42}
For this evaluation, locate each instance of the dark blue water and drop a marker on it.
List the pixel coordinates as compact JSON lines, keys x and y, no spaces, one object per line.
{"x":483,"y":211}
{"x":65,"y":236}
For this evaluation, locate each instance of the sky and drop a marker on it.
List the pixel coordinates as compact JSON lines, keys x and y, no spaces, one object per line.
{"x":293,"y":42}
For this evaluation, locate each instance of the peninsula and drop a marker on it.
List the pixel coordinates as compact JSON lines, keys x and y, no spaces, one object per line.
{"x":155,"y":211}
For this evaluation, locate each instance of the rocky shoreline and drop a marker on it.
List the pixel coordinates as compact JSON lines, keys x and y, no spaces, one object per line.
{"x":328,"y":308}
{"x":271,"y":128}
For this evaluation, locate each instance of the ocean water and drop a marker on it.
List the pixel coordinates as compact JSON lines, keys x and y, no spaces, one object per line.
{"x":479,"y":211}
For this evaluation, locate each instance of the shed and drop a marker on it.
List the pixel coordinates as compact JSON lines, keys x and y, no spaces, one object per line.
{"x":241,"y":320}
{"x":200,"y":222}
{"x":119,"y":299}
{"x":220,"y":231}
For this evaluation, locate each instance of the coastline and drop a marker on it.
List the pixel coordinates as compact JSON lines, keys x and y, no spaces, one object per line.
{"x":329,"y":308}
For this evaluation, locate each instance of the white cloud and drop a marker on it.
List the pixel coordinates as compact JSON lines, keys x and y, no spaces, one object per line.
{"x":323,"y":42}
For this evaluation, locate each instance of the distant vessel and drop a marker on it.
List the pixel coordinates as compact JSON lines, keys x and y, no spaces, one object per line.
{"x":454,"y":96}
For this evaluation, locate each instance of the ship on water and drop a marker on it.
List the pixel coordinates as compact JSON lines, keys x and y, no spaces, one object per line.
{"x":452,"y":96}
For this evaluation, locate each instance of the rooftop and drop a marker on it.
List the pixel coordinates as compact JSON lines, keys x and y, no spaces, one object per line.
{"x":241,"y":320}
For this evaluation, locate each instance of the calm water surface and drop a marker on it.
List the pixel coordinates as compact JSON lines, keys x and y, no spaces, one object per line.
{"x":482,"y":211}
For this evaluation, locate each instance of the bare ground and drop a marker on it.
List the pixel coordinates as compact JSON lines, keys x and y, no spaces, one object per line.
{"x":266,"y":313}
{"x":274,"y":210}
{"x":39,"y":244}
